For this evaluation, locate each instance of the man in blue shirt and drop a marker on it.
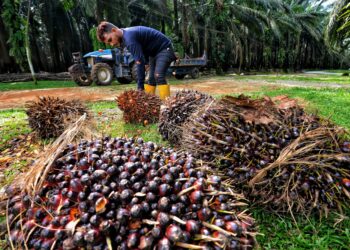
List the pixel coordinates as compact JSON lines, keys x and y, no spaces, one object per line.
{"x":143,"y":43}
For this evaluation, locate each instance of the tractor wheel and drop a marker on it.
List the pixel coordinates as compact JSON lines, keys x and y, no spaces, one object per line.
{"x":194,"y":73}
{"x":134,"y":72}
{"x":180,"y":77}
{"x":102,"y":74}
{"x":79,"y":76}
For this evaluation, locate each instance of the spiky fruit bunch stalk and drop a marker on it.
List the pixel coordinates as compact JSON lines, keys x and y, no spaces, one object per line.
{"x":120,"y":193}
{"x":240,"y":137}
{"x":176,"y":110}
{"x":50,"y":116}
{"x":139,"y":107}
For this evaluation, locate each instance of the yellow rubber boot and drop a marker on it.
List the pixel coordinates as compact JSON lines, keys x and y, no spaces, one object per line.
{"x":164,"y":91}
{"x":150,"y":89}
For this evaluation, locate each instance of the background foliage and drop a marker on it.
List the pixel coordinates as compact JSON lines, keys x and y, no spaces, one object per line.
{"x":241,"y":34}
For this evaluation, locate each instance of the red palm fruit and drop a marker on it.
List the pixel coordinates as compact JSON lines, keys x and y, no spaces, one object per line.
{"x":146,"y":242}
{"x":164,"y":204}
{"x":153,"y":185}
{"x":99,"y":174}
{"x":205,"y":231}
{"x":177,"y":187}
{"x":163,"y":219}
{"x":232,"y":226}
{"x":346,"y":182}
{"x":46,"y":220}
{"x":164,"y":244}
{"x":14,"y":236}
{"x":136,"y":211}
{"x":150,"y":197}
{"x":28,"y":226}
{"x":75,"y":185}
{"x":174,"y":233}
{"x":85,"y":179}
{"x":200,"y":184}
{"x":219,"y":222}
{"x":157,"y":232}
{"x":26,"y":201}
{"x":192,"y":226}
{"x":55,"y":200}
{"x":47,"y":244}
{"x":196,"y":197}
{"x":218,"y":235}
{"x":16,"y":208}
{"x":92,"y":236}
{"x":204,"y":214}
{"x":133,"y":240}
{"x":123,"y":216}
{"x":60,"y":234}
{"x":164,"y":190}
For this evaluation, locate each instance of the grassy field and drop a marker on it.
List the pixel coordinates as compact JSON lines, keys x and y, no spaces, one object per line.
{"x":65,"y":84}
{"x":328,"y":103}
{"x":279,"y":232}
{"x":306,"y":78}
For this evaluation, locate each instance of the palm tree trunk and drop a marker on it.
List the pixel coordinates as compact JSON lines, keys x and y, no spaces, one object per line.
{"x":27,"y":44}
{"x":176,"y":18}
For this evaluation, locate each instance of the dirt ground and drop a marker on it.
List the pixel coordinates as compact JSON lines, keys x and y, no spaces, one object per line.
{"x":17,"y":99}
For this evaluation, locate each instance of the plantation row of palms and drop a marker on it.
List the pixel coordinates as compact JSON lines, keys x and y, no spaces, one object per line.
{"x":245,"y":34}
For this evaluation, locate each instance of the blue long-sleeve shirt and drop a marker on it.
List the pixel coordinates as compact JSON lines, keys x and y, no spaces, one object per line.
{"x":143,"y":42}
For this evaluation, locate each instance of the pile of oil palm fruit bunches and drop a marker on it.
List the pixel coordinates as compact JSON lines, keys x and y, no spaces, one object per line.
{"x":118,"y":193}
{"x":281,"y":157}
{"x":139,"y":106}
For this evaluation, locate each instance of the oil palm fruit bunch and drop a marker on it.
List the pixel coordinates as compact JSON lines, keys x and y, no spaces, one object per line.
{"x":50,"y":116}
{"x":119,"y":193}
{"x":312,"y":173}
{"x":176,"y":111}
{"x":139,"y":106}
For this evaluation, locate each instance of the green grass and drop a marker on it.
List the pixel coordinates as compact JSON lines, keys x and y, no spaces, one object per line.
{"x":69,"y":84}
{"x":12,"y":124}
{"x":40,"y":85}
{"x":330,"y":103}
{"x":296,"y":77}
{"x":57,"y":84}
{"x":282,"y":232}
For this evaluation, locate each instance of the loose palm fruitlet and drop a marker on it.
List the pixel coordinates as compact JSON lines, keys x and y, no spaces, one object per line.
{"x":241,"y":138}
{"x":50,"y":116}
{"x":121,"y":193}
{"x":176,"y":111}
{"x":139,"y":107}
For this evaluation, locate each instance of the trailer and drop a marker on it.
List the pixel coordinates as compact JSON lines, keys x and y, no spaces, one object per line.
{"x":188,"y":66}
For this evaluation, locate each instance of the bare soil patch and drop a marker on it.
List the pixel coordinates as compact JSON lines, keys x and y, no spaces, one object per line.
{"x":18,"y":98}
{"x":15,"y":99}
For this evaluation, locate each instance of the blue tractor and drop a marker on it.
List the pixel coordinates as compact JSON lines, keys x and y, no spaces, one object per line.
{"x":102,"y":67}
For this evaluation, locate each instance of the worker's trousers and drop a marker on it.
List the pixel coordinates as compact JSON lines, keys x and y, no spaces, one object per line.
{"x":159,"y":66}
